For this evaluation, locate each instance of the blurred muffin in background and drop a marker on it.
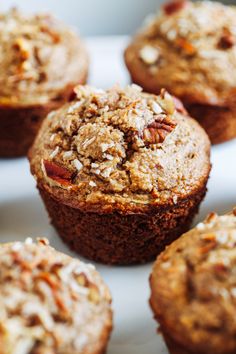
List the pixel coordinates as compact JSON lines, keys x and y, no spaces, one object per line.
{"x":190,"y":48}
{"x":193,"y":289}
{"x":121,"y":172}
{"x":41,"y":60}
{"x":50,"y":302}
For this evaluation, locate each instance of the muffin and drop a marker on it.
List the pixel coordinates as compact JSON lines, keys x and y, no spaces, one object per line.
{"x":193,"y":287}
{"x":50,"y":302}
{"x":190,"y":48}
{"x":121,"y":172}
{"x":41,"y":61}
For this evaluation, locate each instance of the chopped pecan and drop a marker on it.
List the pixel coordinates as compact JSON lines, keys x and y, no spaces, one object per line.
{"x":208,"y":246}
{"x":54,"y":35}
{"x":58,"y":173}
{"x":220,"y":267}
{"x":211,"y":217}
{"x":22,"y":47}
{"x":227,"y":40}
{"x":157,"y":131}
{"x":186,"y":46}
{"x":174,"y":6}
{"x":49,"y":279}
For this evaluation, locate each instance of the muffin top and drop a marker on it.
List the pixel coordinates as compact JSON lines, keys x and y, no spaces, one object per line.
{"x":120,"y":146}
{"x":189,"y":48}
{"x":194,"y":286}
{"x":50,"y":303}
{"x":39,"y":57}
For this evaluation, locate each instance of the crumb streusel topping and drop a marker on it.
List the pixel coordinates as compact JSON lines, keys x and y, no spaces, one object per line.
{"x":39,"y":56}
{"x":194,"y":280}
{"x":49,"y":302}
{"x":121,"y":144}
{"x":191,"y":46}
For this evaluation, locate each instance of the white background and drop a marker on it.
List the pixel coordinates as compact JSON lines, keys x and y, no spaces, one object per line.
{"x":94,"y":17}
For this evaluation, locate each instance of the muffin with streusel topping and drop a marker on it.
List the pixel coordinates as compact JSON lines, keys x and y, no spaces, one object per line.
{"x":193,"y":287}
{"x":50,"y":302}
{"x":121,"y":172}
{"x":41,"y":61}
{"x":190,"y":48}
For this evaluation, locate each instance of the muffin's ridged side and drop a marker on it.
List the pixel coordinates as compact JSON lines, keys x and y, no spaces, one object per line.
{"x":113,"y":238}
{"x":19,"y":125}
{"x":219,"y":122}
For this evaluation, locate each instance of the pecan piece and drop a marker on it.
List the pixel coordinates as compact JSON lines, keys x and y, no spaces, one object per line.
{"x":174,"y":6}
{"x":227,"y":40}
{"x":56,"y":38}
{"x":58,"y":173}
{"x":186,"y":46}
{"x":22,"y":47}
{"x":157,"y":131}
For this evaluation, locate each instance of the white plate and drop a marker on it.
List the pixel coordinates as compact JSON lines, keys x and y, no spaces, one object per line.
{"x":22,"y":214}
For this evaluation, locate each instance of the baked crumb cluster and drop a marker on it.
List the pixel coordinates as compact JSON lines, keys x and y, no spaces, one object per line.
{"x":50,"y":303}
{"x":120,"y":141}
{"x":200,"y":269}
{"x":35,"y":53}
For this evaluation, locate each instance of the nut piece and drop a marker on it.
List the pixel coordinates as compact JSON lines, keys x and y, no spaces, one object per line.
{"x":22,"y":47}
{"x":149,"y":54}
{"x":186,"y":46}
{"x":157,"y":131}
{"x":227,"y":40}
{"x":174,"y":6}
{"x":57,"y":173}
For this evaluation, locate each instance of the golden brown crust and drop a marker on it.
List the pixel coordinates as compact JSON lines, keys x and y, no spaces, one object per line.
{"x":192,"y":53}
{"x":110,"y":151}
{"x":195,"y":276}
{"x":40,"y":56}
{"x":45,"y":294}
{"x":121,"y":170}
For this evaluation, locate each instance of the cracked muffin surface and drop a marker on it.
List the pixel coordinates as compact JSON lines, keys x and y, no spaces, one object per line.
{"x":51,"y":303}
{"x":194,"y":288}
{"x":120,"y":146}
{"x":39,"y":57}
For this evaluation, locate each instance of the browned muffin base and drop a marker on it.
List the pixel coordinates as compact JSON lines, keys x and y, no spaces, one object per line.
{"x":219,"y":122}
{"x":174,"y":347}
{"x":19,"y":125}
{"x":122,"y":239}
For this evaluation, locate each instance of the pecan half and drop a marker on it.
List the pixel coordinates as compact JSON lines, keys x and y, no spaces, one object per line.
{"x":174,"y":6}
{"x":58,"y":173}
{"x":157,"y":131}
